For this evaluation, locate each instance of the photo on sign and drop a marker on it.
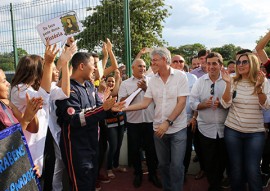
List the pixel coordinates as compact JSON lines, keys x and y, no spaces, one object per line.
{"x":70,"y":24}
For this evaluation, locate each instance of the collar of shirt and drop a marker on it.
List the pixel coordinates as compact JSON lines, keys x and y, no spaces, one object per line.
{"x":133,"y":77}
{"x":171,"y":72}
{"x":207,"y":77}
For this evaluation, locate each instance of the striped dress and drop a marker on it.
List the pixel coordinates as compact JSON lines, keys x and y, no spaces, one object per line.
{"x":245,"y":113}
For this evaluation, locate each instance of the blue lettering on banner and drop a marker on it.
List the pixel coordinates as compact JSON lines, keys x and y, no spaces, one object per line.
{"x":11,"y":157}
{"x":22,"y":181}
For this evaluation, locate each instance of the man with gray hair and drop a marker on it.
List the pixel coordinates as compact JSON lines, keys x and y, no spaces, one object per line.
{"x":168,"y":89}
{"x":140,"y":125}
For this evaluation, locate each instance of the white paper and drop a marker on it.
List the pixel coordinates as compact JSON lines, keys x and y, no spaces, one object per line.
{"x":59,"y":28}
{"x":132,"y":96}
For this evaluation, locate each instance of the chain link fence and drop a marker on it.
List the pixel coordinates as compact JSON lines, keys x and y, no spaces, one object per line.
{"x":26,"y":16}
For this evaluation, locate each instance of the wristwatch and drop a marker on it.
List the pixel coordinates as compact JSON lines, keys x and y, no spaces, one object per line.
{"x":170,"y":122}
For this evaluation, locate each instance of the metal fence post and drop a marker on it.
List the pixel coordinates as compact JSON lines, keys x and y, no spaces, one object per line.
{"x":15,"y":52}
{"x":127,"y":37}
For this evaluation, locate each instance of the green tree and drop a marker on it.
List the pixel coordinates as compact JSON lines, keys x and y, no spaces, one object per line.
{"x":7,"y":59}
{"x":227,"y":51}
{"x":146,"y":24}
{"x":187,"y":51}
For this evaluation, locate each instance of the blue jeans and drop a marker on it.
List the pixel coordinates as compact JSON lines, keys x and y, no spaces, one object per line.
{"x":115,"y":138}
{"x":171,"y":150}
{"x":245,"y":152}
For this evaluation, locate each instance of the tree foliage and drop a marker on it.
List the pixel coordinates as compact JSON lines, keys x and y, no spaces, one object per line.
{"x":7,"y":59}
{"x":188,"y":50}
{"x":227,"y":51}
{"x":107,"y":21}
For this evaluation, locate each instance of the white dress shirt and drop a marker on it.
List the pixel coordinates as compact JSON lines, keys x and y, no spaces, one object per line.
{"x":127,"y":87}
{"x":191,"y":81}
{"x":210,"y":122}
{"x":165,"y":98}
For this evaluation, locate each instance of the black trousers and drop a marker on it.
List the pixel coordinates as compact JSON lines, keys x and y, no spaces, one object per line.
{"x":197,"y":147}
{"x":214,"y":158}
{"x":49,"y":162}
{"x":141,"y":135}
{"x":102,"y":143}
{"x":266,"y":156}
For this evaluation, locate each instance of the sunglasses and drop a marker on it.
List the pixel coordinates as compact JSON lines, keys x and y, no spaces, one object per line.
{"x":178,"y":61}
{"x":212,"y":91}
{"x":243,"y":62}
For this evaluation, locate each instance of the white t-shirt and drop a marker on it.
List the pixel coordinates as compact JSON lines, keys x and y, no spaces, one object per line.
{"x":36,"y":141}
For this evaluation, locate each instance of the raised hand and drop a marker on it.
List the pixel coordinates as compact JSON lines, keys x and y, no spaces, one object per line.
{"x":70,"y":41}
{"x":260,"y":79}
{"x":105,"y":50}
{"x":109,"y":45}
{"x":50,"y":53}
{"x":225,"y":75}
{"x":68,"y":52}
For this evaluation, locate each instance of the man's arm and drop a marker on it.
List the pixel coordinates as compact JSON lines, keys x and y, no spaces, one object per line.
{"x":181,"y":103}
{"x":138,"y":106}
{"x":260,"y":48}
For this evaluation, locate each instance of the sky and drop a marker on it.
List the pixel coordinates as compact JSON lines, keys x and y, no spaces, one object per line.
{"x":212,"y":23}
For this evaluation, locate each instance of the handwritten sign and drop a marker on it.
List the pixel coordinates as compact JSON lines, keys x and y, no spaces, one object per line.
{"x":60,"y":28}
{"x":16,"y":166}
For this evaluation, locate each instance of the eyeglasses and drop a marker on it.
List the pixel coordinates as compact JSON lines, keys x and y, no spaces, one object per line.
{"x":212,"y":91}
{"x":243,"y":62}
{"x":155,"y":59}
{"x":178,"y":61}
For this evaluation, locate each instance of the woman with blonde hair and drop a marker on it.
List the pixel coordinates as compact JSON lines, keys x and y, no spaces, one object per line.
{"x":246,"y":95}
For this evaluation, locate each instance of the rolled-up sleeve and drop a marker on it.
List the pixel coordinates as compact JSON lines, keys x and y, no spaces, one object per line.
{"x":194,"y":99}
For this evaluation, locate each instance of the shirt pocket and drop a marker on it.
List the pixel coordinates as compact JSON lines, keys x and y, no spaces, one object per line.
{"x":171,"y":92}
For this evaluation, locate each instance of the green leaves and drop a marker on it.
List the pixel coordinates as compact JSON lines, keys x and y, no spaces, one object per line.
{"x":146,"y":24}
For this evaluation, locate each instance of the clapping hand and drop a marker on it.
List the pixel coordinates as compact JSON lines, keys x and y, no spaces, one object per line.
{"x":225,"y":75}
{"x":260,"y":79}
{"x":142,"y":84}
{"x":32,"y":106}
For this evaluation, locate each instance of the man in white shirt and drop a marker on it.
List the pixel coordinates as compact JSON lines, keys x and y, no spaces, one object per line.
{"x":204,"y":97}
{"x":140,"y":125}
{"x":168,"y":90}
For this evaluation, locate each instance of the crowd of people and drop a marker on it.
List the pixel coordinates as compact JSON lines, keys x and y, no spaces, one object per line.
{"x":71,"y":111}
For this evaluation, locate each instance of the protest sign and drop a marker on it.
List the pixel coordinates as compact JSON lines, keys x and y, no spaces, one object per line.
{"x":16,"y":165}
{"x":60,"y":28}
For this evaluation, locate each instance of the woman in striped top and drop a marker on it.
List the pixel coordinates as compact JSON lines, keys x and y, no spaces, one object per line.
{"x":246,"y":94}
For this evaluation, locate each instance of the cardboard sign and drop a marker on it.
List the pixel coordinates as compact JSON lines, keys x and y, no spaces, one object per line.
{"x":59,"y":28}
{"x":16,"y":165}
